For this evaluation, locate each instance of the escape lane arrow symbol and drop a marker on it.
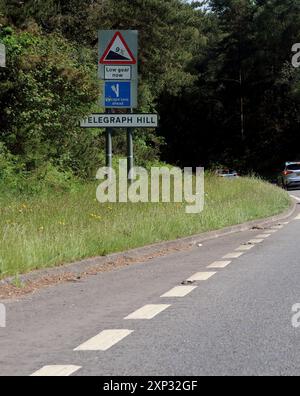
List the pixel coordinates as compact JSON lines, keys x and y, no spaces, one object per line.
{"x":116,"y":90}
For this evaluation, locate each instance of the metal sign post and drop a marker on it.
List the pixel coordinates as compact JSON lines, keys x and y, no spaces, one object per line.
{"x":108,"y":140}
{"x":130,"y":163}
{"x":2,"y":55}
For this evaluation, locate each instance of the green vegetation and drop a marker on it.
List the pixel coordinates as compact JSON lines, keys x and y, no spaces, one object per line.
{"x":51,"y":82}
{"x":56,"y":227}
{"x":220,"y":77}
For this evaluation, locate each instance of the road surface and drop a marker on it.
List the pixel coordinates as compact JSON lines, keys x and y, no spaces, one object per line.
{"x":233,"y":316}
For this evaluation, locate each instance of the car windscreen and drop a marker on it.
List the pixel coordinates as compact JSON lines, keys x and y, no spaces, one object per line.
{"x":227,"y":172}
{"x":293,"y":167}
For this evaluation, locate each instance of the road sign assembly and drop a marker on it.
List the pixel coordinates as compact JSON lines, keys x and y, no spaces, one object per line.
{"x":118,"y":69}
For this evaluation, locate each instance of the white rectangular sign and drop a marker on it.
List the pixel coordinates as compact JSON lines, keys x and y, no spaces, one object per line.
{"x":2,"y":56}
{"x":120,"y":121}
{"x":117,"y":72}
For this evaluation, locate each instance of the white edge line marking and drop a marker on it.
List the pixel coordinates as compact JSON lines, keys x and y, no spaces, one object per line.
{"x":201,"y":276}
{"x":179,"y":291}
{"x":219,"y":264}
{"x":296,"y":198}
{"x":148,"y":311}
{"x":104,"y":340}
{"x":56,"y":371}
{"x":233,"y":255}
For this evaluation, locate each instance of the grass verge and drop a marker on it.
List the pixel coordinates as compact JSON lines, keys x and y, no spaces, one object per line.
{"x":55,"y":228}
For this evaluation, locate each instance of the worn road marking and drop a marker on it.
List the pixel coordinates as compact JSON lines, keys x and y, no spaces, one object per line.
{"x":296,"y":198}
{"x":233,"y":255}
{"x":148,"y":311}
{"x":279,"y":227}
{"x":179,"y":291}
{"x":56,"y":371}
{"x":263,"y":236}
{"x":201,"y":276}
{"x":105,"y":340}
{"x":256,"y":241}
{"x":272,"y":231}
{"x":244,"y":248}
{"x":219,"y":264}
{"x":297,"y":217}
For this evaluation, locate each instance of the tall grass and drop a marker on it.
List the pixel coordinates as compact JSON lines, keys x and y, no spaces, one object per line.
{"x":54,"y":228}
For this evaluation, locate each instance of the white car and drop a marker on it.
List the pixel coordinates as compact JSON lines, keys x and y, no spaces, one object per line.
{"x":227,"y":173}
{"x":290,"y":176}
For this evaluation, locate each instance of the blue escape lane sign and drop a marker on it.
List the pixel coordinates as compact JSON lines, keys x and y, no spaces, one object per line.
{"x":117,"y":94}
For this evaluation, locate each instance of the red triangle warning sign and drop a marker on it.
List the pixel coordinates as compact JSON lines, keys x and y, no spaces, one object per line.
{"x":118,"y":52}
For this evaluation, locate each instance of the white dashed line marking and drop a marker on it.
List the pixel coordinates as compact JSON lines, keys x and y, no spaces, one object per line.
{"x":233,"y":255}
{"x":297,"y":218}
{"x":56,"y":371}
{"x":256,"y":241}
{"x":179,"y":291}
{"x":148,"y":311}
{"x":219,"y":264}
{"x":279,"y":227}
{"x":244,"y":248}
{"x":105,"y":340}
{"x":201,"y":276}
{"x":263,"y":236}
{"x":272,"y":231}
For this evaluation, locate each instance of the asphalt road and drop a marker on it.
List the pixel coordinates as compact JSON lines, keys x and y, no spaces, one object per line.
{"x":235,"y":320}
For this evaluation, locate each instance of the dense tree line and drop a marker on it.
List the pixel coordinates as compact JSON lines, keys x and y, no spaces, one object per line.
{"x":219,"y":74}
{"x":243,"y":109}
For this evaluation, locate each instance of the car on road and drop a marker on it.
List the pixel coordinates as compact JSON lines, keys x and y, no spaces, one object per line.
{"x":290,"y":176}
{"x":227,"y":173}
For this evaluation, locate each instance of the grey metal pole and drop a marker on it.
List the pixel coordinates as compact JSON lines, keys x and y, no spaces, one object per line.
{"x":130,"y":159}
{"x":108,"y":147}
{"x":108,"y":144}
